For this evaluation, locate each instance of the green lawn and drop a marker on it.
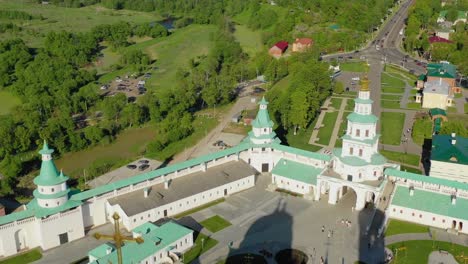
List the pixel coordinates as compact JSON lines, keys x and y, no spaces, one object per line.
{"x":396,"y":227}
{"x":175,"y":51}
{"x":390,"y":97}
{"x":392,"y":126}
{"x":301,"y":139}
{"x":326,"y":130}
{"x":108,"y":58}
{"x":27,"y":257}
{"x":349,"y":105}
{"x":422,"y":128}
{"x":413,"y":105}
{"x":281,"y":85}
{"x":7,"y":102}
{"x":417,"y":251}
{"x":202,"y":244}
{"x":414,"y":91}
{"x":397,"y":71}
{"x":250,"y":41}
{"x":129,"y":144}
{"x":354,"y":67}
{"x":62,"y":18}
{"x":335,"y":103}
{"x":390,"y":104}
{"x":342,"y":131}
{"x":458,"y":95}
{"x":215,"y":223}
{"x":410,"y":169}
{"x":199,"y":208}
{"x":410,"y":159}
{"x":392,"y":80}
{"x":451,"y":109}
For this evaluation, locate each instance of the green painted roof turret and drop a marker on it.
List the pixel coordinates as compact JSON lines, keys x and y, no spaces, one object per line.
{"x":263,"y":117}
{"x":49,"y":174}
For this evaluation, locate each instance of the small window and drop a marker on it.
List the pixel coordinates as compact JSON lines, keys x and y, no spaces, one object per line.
{"x":134,"y":220}
{"x":53,"y":190}
{"x":401,"y":211}
{"x":264,"y":130}
{"x":443,"y":220}
{"x":350,"y":151}
{"x":412,"y":214}
{"x":46,"y":204}
{"x":394,"y":210}
{"x":149,"y":215}
{"x":42,"y":189}
{"x":360,"y":153}
{"x":367,"y":133}
{"x":358,"y":132}
{"x":433,"y":218}
{"x":180,"y":205}
{"x":420,"y":215}
{"x":58,"y":203}
{"x":154,"y":258}
{"x":186,"y":241}
{"x":263,"y":149}
{"x":141,"y":218}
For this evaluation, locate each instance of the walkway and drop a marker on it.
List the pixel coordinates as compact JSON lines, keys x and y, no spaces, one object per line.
{"x":441,"y":235}
{"x":336,"y":129}
{"x":460,"y":102}
{"x":313,"y":137}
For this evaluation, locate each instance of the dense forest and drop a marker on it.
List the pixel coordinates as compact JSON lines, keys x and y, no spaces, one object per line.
{"x":56,"y":87}
{"x":422,"y":21}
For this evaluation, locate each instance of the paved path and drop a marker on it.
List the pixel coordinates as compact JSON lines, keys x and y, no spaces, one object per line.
{"x":313,"y":137}
{"x":338,"y":122}
{"x":460,"y":102}
{"x":241,"y":104}
{"x":441,"y":235}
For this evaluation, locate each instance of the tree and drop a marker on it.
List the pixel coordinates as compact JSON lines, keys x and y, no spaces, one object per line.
{"x":458,"y":127}
{"x":299,"y":109}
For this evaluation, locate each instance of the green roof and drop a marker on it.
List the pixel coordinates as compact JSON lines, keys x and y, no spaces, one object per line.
{"x":33,"y":209}
{"x":426,"y":179}
{"x":363,"y":101}
{"x":422,"y":77}
{"x":432,"y":202}
{"x":297,"y":171}
{"x":437,"y":125}
{"x":461,"y":15}
{"x":155,"y":239}
{"x":444,"y":150}
{"x":263,"y":118}
{"x":49,"y":175}
{"x":364,"y":119}
{"x":369,"y":141}
{"x":101,"y":250}
{"x":443,"y":13}
{"x":437,"y":111}
{"x":376,"y":159}
{"x":45,"y":149}
{"x":443,"y":70}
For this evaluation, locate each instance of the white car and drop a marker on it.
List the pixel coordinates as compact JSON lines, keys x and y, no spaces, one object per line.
{"x":355,"y":79}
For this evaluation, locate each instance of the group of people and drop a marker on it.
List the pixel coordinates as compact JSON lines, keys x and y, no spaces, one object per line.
{"x":408,"y":131}
{"x":346,"y":222}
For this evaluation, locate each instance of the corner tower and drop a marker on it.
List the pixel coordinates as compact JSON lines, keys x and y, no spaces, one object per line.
{"x":52,"y":190}
{"x":359,"y":159}
{"x":262,"y":127}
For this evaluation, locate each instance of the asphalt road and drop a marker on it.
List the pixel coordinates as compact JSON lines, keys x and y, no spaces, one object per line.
{"x":388,"y":39}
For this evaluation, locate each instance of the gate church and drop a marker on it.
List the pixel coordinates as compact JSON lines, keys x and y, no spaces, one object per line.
{"x":58,"y":215}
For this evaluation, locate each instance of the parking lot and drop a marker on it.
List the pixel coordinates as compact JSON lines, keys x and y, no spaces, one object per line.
{"x":347,"y":79}
{"x":130,"y":86}
{"x":134,"y":168}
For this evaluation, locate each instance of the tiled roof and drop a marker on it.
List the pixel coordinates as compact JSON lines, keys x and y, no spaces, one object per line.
{"x":304,"y":41}
{"x":376,"y":159}
{"x":297,"y":171}
{"x":282,"y":45}
{"x":431,"y":202}
{"x":437,"y":111}
{"x":444,"y":70}
{"x":436,"y":39}
{"x":444,"y":150}
{"x":364,"y":119}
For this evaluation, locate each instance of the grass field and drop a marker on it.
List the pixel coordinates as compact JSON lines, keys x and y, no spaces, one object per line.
{"x":392,"y":125}
{"x":129,"y":144}
{"x":215,"y":223}
{"x":335,"y":103}
{"x":108,"y":58}
{"x":281,"y":85}
{"x":349,"y":105}
{"x":451,"y":109}
{"x":410,"y":159}
{"x":390,"y":97}
{"x":422,"y":128}
{"x":250,"y":41}
{"x":410,"y":169}
{"x":466,"y":108}
{"x":392,"y":84}
{"x":175,"y":51}
{"x":390,"y":104}
{"x":417,"y":251}
{"x":62,"y":18}
{"x":27,"y":257}
{"x":397,"y":71}
{"x":301,"y":139}
{"x":396,"y":227}
{"x":326,"y":130}
{"x":413,"y":105}
{"x":354,"y":67}
{"x":202,"y":244}
{"x":7,"y":102}
{"x":342,"y":131}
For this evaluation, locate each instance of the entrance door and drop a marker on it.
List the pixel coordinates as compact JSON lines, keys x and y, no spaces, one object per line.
{"x":225,"y":192}
{"x":454,"y":224}
{"x":165,"y":213}
{"x":20,"y":239}
{"x":265,"y":167}
{"x":63,"y":238}
{"x":460,"y":226}
{"x":350,"y":177}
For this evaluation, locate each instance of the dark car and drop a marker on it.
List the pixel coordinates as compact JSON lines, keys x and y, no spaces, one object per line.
{"x":131,"y":166}
{"x":350,"y":57}
{"x":356,"y":51}
{"x":143,"y":161}
{"x":143,"y":167}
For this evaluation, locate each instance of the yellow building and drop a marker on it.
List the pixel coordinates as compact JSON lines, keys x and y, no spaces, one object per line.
{"x":436,"y":94}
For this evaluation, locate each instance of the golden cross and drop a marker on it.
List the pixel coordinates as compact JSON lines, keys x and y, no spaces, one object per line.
{"x":118,"y":238}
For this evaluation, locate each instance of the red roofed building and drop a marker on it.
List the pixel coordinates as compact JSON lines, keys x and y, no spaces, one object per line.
{"x":436,"y":39}
{"x":302,"y":44}
{"x":278,"y":49}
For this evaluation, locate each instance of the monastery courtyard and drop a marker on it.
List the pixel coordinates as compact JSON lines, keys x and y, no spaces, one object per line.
{"x":262,"y":219}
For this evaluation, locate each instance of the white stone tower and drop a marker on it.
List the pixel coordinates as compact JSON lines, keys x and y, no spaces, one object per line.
{"x":262,"y":127}
{"x":52,"y":190}
{"x":358,"y":160}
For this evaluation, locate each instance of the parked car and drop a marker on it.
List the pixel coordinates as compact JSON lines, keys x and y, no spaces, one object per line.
{"x":131,"y":166}
{"x":143,"y":167}
{"x":356,"y":78}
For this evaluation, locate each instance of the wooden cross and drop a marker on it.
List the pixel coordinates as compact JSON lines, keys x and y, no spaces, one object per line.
{"x":118,"y":238}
